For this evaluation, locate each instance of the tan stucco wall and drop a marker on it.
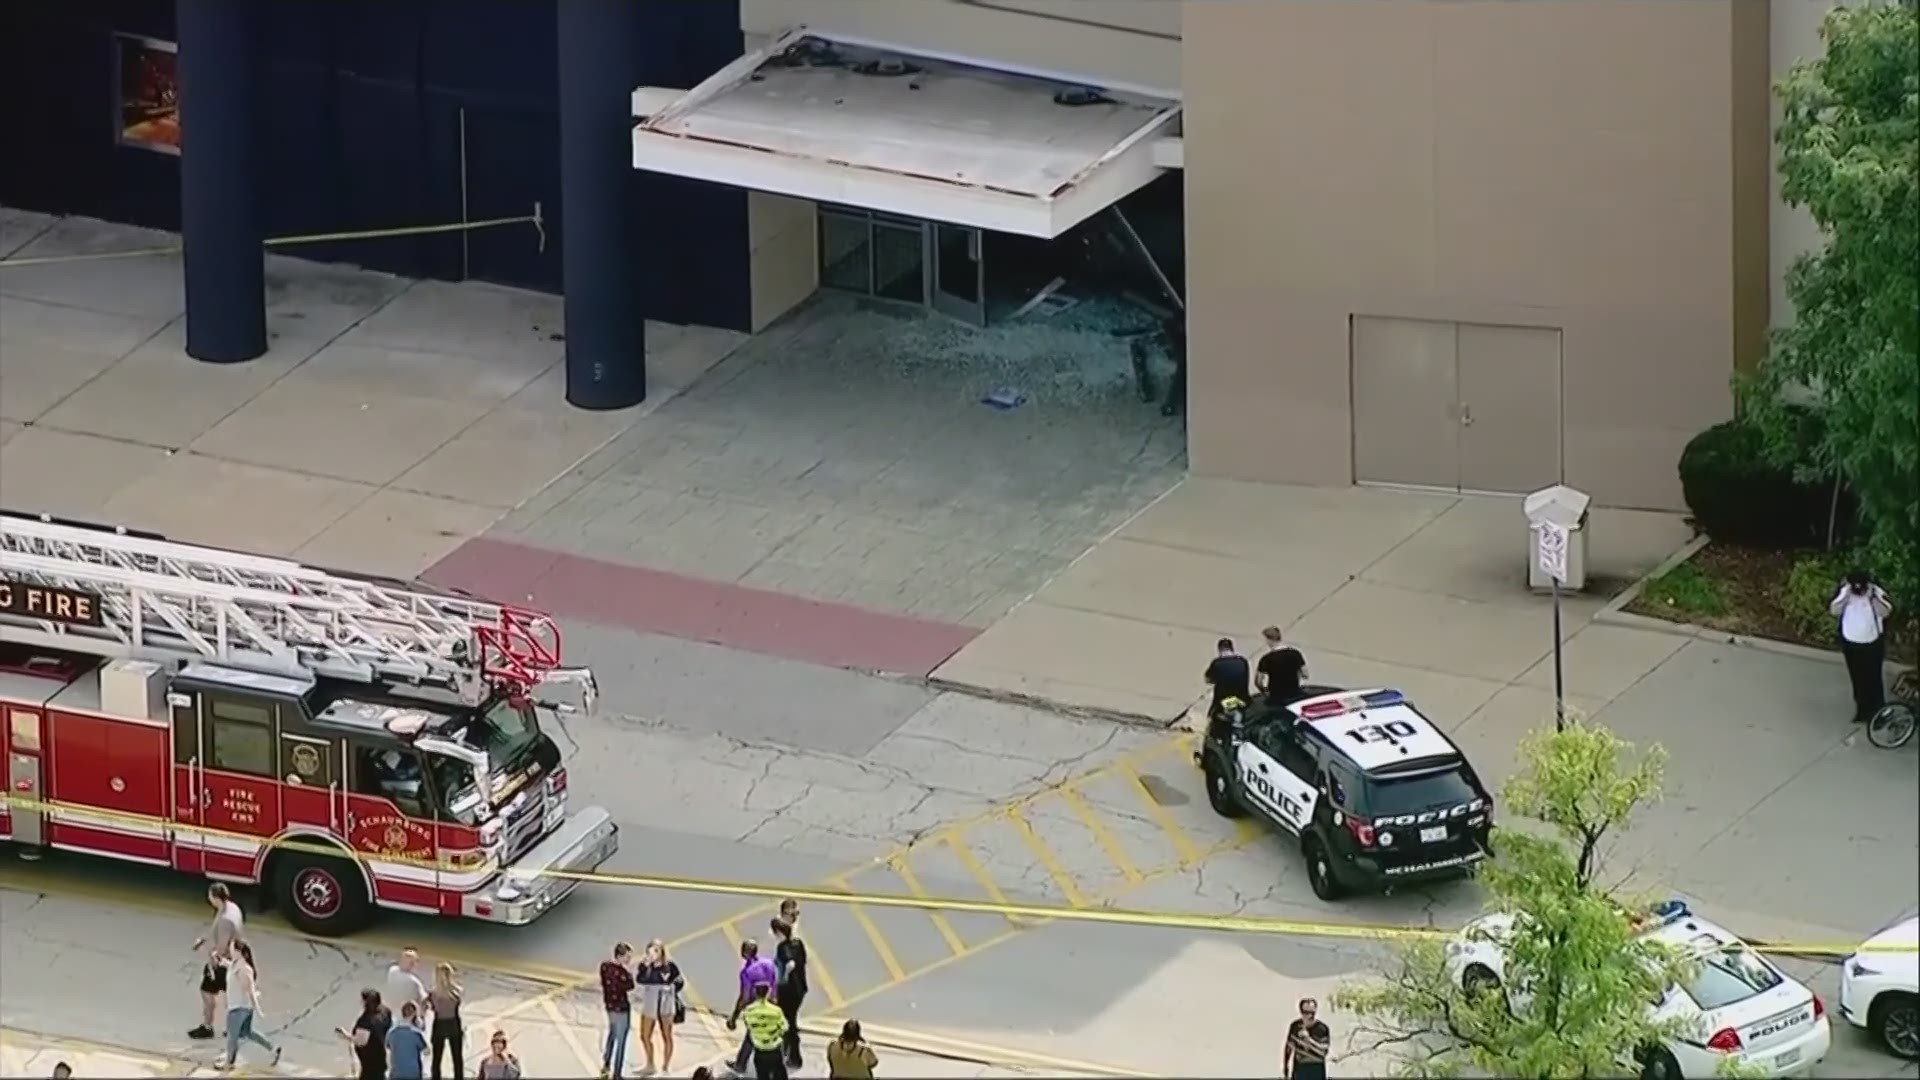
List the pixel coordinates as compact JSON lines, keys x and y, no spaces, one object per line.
{"x":1565,"y":164}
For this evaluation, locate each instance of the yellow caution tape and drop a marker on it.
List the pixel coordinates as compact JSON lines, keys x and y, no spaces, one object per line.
{"x":537,"y":219}
{"x":1232,"y":924}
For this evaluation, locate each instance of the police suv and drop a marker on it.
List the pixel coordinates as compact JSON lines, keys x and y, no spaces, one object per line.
{"x":1378,"y":796}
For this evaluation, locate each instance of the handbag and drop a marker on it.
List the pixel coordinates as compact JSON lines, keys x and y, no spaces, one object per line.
{"x":679,"y":1002}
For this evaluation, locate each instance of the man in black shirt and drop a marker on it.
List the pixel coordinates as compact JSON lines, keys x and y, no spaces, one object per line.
{"x":1229,"y":676}
{"x":790,"y":967}
{"x":1308,"y":1040}
{"x":1281,"y":670}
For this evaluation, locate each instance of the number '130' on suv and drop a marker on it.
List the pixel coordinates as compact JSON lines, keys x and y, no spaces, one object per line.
{"x":1377,"y":795}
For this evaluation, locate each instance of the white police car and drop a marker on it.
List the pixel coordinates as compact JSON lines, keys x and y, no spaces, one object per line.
{"x":1880,"y":987}
{"x":1376,"y":793}
{"x":1738,"y":1006}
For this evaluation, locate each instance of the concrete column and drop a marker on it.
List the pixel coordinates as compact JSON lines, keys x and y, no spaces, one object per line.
{"x":606,"y":328}
{"x":221,"y":221}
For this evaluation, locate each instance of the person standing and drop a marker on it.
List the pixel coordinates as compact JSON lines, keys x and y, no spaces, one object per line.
{"x":447,"y":1031}
{"x":243,"y":1005}
{"x":1229,"y":677}
{"x":1281,"y":671}
{"x":1308,"y":1040}
{"x":849,"y":1057}
{"x":1862,"y":607}
{"x":766,"y":1034}
{"x":403,"y":984}
{"x":756,"y":971}
{"x":406,"y":1045}
{"x":498,"y":1064}
{"x":660,"y":985}
{"x":368,"y":1039}
{"x":616,"y":989}
{"x":228,"y":925}
{"x":790,"y":989}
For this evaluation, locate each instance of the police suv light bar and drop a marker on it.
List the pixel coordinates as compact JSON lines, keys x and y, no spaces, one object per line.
{"x":1372,"y":699}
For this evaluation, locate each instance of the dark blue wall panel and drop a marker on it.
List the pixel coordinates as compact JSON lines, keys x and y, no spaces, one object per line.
{"x":366,"y":100}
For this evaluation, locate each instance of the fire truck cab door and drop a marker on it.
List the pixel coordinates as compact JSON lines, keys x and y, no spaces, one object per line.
{"x":390,"y":821}
{"x":25,"y":821}
{"x":231,"y":800}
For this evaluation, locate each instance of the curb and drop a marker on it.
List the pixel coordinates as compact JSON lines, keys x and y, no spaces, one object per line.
{"x":1632,"y":592}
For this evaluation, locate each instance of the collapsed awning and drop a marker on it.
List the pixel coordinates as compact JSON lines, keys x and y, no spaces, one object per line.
{"x":841,"y":120}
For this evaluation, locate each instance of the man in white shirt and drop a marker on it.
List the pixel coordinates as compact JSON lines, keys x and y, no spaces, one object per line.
{"x":226,"y":929}
{"x":1862,"y":608}
{"x":404,"y":986}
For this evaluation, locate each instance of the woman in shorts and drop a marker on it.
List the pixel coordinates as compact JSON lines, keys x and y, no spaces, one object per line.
{"x":659,"y":982}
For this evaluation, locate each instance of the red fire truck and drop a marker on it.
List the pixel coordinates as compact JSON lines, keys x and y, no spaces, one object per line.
{"x":349,"y":743}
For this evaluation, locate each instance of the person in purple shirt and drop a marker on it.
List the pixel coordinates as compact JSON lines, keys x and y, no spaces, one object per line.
{"x":755,"y":970}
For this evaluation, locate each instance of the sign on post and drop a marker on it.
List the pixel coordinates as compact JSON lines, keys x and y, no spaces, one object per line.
{"x":1553,"y":550}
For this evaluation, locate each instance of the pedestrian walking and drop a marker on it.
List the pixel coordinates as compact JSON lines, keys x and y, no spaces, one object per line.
{"x":228,"y":925}
{"x":406,"y":1045}
{"x":616,"y":988}
{"x":766,"y":1034}
{"x":368,"y":1039}
{"x":498,"y":1064}
{"x":243,"y":1006}
{"x":790,"y":987}
{"x":1281,"y":670}
{"x":1308,"y":1040}
{"x":660,"y":1009}
{"x":756,"y":972}
{"x":447,"y":1031}
{"x":403,"y":984}
{"x":1862,"y":607}
{"x":1229,"y":676}
{"x":849,"y":1057}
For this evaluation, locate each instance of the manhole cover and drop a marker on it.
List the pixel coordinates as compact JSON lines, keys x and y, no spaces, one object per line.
{"x":1162,"y":792}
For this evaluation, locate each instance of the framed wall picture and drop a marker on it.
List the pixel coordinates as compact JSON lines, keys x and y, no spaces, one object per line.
{"x":148,"y":93}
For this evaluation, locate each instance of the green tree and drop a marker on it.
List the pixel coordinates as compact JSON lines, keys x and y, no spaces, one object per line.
{"x":1849,"y":140}
{"x":1579,"y":978}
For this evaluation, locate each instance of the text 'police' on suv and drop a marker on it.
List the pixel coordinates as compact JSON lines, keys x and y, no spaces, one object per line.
{"x":1378,"y":795}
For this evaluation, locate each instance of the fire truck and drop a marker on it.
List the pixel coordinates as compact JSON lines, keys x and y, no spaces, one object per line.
{"x":348,"y":743}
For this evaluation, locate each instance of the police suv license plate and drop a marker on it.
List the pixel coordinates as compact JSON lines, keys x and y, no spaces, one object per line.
{"x":1791,"y":1057}
{"x":1433,"y":834}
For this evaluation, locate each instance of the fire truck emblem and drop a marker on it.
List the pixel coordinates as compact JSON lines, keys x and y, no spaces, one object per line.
{"x":306,"y":761}
{"x":395,"y":838}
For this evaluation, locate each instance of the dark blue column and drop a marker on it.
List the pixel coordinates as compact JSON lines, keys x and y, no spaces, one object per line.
{"x":600,"y":260}
{"x":220,"y":213}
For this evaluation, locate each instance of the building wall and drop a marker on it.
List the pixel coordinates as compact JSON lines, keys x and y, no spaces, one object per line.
{"x":365,"y":102}
{"x":1567,"y":165}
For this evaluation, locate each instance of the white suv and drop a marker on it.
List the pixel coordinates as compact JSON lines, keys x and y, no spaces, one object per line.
{"x":1880,"y":988}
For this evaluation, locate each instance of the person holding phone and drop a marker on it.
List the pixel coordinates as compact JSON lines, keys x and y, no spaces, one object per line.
{"x":1862,"y":607}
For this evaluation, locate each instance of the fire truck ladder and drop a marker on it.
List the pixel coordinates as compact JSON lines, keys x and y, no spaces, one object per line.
{"x":156,"y":599}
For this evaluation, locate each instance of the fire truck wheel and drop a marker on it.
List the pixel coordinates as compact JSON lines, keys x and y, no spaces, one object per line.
{"x":322,"y":896}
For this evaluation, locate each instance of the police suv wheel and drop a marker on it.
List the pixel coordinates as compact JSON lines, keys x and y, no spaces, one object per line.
{"x":1659,"y":1064}
{"x":1896,"y":1020}
{"x":1320,"y":871}
{"x":1220,"y":791}
{"x":322,"y":896}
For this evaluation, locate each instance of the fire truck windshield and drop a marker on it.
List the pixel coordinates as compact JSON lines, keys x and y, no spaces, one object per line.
{"x":456,"y":784}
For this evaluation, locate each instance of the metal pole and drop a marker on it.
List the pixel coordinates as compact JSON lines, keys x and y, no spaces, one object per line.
{"x":1559,"y":678}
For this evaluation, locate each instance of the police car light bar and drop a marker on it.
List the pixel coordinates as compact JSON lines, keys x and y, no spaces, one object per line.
{"x":1378,"y":699}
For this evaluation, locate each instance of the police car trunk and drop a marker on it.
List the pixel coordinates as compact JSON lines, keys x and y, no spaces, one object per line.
{"x":1419,"y":810}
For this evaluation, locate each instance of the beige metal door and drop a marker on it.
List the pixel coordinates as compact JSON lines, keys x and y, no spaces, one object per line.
{"x":1406,"y":427}
{"x":1509,"y":407}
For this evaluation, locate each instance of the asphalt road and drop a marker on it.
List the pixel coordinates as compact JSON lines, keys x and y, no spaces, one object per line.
{"x":742,"y":768}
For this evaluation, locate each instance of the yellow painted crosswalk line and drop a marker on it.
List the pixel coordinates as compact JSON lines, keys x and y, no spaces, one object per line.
{"x":971,"y":864}
{"x":1183,"y":844}
{"x":1108,"y":842}
{"x":879,"y":940}
{"x":587,"y":1062}
{"x":1047,"y":859}
{"x":732,"y":934}
{"x":940,"y":922}
{"x":817,"y":970}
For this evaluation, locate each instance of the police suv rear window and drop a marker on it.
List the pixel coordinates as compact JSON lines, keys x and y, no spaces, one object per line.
{"x":1386,"y":796}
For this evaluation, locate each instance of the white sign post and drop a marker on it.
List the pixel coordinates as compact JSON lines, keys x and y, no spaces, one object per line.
{"x":1554,"y":513}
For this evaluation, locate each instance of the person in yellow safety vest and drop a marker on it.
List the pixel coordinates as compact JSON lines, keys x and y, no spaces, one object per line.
{"x":767,"y":1030}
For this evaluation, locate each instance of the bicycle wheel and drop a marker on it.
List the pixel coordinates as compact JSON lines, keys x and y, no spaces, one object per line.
{"x":1892,"y":726}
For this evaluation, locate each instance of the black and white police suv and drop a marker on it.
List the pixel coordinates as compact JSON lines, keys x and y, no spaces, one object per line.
{"x":1377,"y":795}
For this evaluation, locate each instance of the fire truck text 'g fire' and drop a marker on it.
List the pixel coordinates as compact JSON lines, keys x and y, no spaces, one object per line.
{"x":49,"y":602}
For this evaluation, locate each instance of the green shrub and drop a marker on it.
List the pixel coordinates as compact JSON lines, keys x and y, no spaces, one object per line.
{"x":1808,"y":590}
{"x":1684,"y":590}
{"x":1739,"y":496}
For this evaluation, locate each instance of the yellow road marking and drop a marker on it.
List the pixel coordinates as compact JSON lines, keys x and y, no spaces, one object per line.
{"x":709,"y":1019}
{"x":587,"y":1061}
{"x":1108,"y":842}
{"x":1047,"y":858}
{"x":732,"y":934}
{"x":940,"y":921}
{"x":874,"y":935}
{"x":971,"y":864}
{"x":1183,"y":844}
{"x":817,"y":968}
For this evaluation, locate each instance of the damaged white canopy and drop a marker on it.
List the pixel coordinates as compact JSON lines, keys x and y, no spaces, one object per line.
{"x":841,"y":120}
